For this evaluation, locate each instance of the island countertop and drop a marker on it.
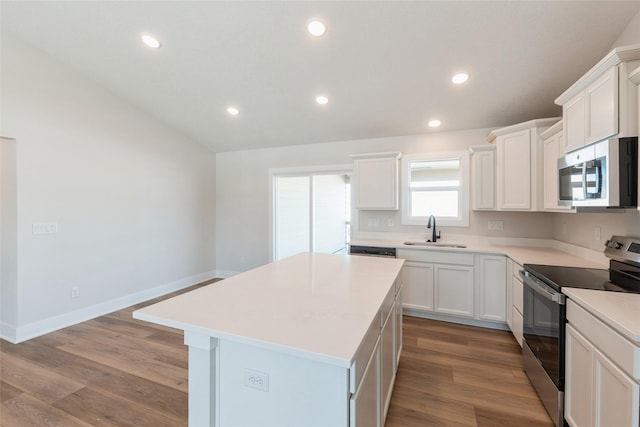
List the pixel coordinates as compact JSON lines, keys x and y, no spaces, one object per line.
{"x":317,"y":306}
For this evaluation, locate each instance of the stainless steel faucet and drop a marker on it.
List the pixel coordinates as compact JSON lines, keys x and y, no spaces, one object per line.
{"x":431,"y":223}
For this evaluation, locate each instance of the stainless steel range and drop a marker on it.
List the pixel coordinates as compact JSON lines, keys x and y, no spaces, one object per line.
{"x":545,"y":315}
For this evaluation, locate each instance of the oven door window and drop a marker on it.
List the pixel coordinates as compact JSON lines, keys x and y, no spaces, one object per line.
{"x":542,"y":331}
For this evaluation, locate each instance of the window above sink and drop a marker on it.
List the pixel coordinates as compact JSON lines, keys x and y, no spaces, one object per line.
{"x":436,"y":184}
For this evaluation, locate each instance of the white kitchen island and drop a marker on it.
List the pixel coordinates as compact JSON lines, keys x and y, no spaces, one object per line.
{"x":311,"y":340}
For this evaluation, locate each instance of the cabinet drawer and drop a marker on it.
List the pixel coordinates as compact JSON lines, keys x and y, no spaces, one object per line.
{"x":613,"y":345}
{"x":364,"y":354}
{"x":437,"y":257}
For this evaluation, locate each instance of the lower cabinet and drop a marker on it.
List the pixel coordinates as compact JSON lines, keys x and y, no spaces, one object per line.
{"x":365,"y":403}
{"x":515,"y":300}
{"x":453,"y":290}
{"x":372,"y":386}
{"x":600,"y":388}
{"x":455,"y":286}
{"x":492,"y":287}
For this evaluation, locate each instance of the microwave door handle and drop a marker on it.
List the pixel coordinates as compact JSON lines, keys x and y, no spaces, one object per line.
{"x":584,"y":181}
{"x":542,"y":289}
{"x":599,"y":181}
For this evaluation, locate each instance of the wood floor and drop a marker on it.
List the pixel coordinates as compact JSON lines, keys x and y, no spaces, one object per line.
{"x":117,"y":371}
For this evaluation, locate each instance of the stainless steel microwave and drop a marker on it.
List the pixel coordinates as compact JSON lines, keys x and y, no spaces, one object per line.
{"x":603,"y":174}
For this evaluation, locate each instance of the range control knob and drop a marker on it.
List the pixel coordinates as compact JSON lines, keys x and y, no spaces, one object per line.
{"x":612,"y":244}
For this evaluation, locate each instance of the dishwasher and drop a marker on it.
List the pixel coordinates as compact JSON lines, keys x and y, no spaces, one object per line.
{"x":372,"y":251}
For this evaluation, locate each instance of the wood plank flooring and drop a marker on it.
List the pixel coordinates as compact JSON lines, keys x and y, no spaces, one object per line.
{"x":118,"y":371}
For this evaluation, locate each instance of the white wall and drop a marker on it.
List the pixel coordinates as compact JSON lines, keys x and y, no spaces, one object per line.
{"x":242,"y":194}
{"x":8,"y":238}
{"x":631,"y":34}
{"x":133,"y":199}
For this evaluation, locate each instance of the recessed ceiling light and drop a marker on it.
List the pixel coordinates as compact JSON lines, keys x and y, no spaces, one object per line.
{"x":151,"y":41}
{"x":316,"y":27}
{"x":233,"y":111}
{"x":434,"y":123}
{"x":322,"y":100}
{"x":460,"y":78}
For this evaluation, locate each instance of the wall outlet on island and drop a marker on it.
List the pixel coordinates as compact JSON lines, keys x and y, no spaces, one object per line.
{"x":75,"y":292}
{"x":256,"y":379}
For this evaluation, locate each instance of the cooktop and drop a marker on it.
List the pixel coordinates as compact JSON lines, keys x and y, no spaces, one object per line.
{"x":576,"y":277}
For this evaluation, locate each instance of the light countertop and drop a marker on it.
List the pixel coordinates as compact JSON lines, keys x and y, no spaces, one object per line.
{"x":317,"y":306}
{"x":520,"y":254}
{"x":619,"y":310}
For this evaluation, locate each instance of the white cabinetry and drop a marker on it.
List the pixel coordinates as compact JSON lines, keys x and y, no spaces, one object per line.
{"x":458,"y":287}
{"x":492,"y":287}
{"x":483,"y":173}
{"x":515,"y":300}
{"x":376,"y":181}
{"x":602,"y":373}
{"x":374,"y":371}
{"x":453,"y":290}
{"x":552,"y":147}
{"x":603,"y":102}
{"x":519,"y":165}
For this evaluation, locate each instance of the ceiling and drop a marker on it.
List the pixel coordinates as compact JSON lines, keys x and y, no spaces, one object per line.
{"x":385,"y":65}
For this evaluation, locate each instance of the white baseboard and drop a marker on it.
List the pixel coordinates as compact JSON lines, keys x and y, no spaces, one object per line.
{"x":26,"y":332}
{"x":456,"y":319}
{"x":225,"y":274}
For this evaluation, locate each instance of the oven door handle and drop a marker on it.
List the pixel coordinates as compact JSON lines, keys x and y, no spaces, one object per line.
{"x":542,"y":289}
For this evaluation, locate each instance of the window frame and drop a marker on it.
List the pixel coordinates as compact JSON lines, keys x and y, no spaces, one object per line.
{"x":462,"y":220}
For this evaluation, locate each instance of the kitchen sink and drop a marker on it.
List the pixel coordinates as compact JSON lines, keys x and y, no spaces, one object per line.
{"x":436,"y":245}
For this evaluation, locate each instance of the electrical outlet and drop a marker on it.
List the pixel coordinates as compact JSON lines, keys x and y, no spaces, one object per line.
{"x":390,"y":222}
{"x":75,"y":292}
{"x":44,"y":227}
{"x":598,"y":233}
{"x":564,"y":228}
{"x":496,"y":225}
{"x":256,"y":379}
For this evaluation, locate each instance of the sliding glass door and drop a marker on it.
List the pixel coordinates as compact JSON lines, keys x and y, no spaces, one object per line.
{"x":311,"y":213}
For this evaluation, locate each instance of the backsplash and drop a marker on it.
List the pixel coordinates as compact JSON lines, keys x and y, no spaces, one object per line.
{"x":538,"y":225}
{"x":583,"y":229}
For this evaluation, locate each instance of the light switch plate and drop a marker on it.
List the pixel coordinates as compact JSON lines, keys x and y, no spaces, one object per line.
{"x":45,"y":227}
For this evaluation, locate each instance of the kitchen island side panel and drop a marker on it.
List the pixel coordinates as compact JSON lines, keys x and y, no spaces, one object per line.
{"x":291,"y":391}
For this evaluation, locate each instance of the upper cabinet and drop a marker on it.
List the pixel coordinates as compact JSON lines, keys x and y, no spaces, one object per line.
{"x":483,"y":177}
{"x":603,"y":103}
{"x":552,"y":148}
{"x":376,"y":180}
{"x":519,"y":165}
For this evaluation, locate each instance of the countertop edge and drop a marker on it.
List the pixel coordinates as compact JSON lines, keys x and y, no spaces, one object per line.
{"x":577,"y":295}
{"x":291,"y":351}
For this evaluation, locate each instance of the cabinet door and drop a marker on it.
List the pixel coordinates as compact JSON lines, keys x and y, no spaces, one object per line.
{"x":514,"y":171}
{"x":484,"y":180}
{"x":453,"y":290}
{"x":509,"y":298}
{"x":602,"y":106}
{"x":551,"y":148}
{"x":574,"y":123}
{"x":417,"y":280}
{"x":616,"y":395}
{"x":397,"y":336}
{"x":387,"y":365}
{"x":578,"y":379}
{"x":517,"y":302}
{"x":492,"y":287}
{"x":376,"y":183}
{"x":365,"y":404}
